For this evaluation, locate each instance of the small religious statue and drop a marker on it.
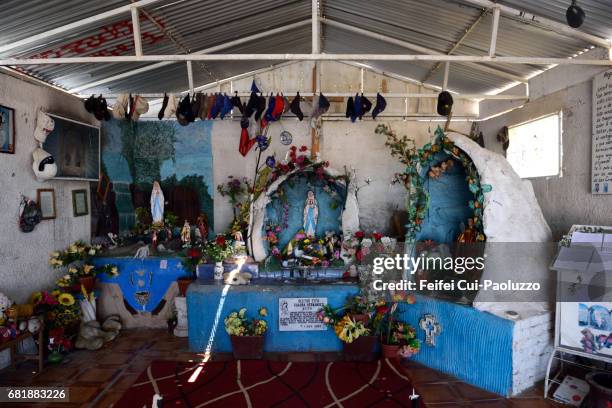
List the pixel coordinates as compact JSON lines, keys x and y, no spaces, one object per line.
{"x":468,"y":236}
{"x":157,"y":204}
{"x":186,"y":233}
{"x":311,"y":214}
{"x":202,"y":226}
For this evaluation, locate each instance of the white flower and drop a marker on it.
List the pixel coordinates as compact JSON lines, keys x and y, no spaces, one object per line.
{"x":366,"y":243}
{"x":92,"y":251}
{"x":385,"y":240}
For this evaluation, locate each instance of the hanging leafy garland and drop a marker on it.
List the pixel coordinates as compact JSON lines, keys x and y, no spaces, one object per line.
{"x":415,"y":160}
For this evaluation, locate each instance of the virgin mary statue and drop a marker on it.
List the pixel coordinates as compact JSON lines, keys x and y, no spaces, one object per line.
{"x":157,"y":204}
{"x":311,"y":214}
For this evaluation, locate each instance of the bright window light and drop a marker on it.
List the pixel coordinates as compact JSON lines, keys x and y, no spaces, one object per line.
{"x":535,"y":147}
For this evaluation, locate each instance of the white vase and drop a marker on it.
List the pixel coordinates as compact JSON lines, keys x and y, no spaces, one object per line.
{"x":219,"y":271}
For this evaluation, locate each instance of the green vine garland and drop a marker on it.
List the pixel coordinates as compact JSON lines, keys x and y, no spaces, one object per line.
{"x":413,"y":178}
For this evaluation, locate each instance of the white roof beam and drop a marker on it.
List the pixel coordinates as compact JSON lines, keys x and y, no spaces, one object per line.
{"x":80,"y":23}
{"x":209,"y":50}
{"x":307,"y":57}
{"x":136,"y":31}
{"x":416,"y":48}
{"x":559,"y":28}
{"x":494,"y":29}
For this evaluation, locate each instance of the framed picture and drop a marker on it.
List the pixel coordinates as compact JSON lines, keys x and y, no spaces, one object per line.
{"x":76,"y":149}
{"x":7,"y":130}
{"x":79,"y":203}
{"x":46,"y":201}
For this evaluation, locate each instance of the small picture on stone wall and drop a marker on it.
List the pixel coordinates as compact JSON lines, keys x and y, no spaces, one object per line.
{"x":79,"y":203}
{"x":7,"y":130}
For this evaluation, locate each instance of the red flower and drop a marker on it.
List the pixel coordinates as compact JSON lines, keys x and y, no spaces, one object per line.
{"x":360,"y":235}
{"x":194,"y":253}
{"x":300,"y":160}
{"x":359,"y":255}
{"x":220,"y":240}
{"x":377,"y":236}
{"x":293,"y":148}
{"x":382,"y":309}
{"x":303,"y":149}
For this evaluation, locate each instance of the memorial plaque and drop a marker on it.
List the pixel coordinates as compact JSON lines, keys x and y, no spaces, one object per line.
{"x":300,"y":314}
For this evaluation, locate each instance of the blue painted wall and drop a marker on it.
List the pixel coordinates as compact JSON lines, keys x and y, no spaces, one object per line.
{"x":449,"y":198}
{"x":296,"y":189}
{"x":473,"y":346}
{"x":152,"y":278}
{"x":204,"y":300}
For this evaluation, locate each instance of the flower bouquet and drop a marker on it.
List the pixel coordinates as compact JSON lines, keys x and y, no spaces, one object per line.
{"x":398,"y":339}
{"x":246,"y":335}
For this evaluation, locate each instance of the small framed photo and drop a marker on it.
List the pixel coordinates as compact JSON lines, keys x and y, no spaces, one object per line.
{"x":46,"y":201}
{"x":7,"y":130}
{"x":79,"y":203}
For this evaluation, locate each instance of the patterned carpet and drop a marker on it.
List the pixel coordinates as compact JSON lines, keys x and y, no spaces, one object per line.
{"x":261,"y":383}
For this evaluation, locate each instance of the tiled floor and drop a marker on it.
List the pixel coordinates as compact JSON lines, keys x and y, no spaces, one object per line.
{"x":97,"y":379}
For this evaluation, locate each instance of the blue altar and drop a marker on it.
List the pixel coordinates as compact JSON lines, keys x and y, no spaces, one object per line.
{"x":209,"y":302}
{"x":144,"y":282}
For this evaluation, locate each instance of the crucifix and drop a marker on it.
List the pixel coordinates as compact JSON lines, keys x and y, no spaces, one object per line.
{"x":431,"y":327}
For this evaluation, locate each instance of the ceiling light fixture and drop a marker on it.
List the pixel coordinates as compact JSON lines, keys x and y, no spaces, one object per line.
{"x":575,"y":15}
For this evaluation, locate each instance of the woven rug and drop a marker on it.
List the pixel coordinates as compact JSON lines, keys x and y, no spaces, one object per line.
{"x":261,"y":383}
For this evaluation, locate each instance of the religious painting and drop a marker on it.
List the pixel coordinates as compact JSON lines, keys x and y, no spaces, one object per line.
{"x":45,"y":197}
{"x":79,"y":203}
{"x":7,"y":130}
{"x":76,"y":149}
{"x":173,"y":162}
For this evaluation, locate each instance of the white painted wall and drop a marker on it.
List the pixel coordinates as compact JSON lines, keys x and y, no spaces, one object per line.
{"x":24,"y":257}
{"x":564,"y":200}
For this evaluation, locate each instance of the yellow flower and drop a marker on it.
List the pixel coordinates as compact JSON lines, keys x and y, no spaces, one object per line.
{"x":36,"y":297}
{"x":263,"y":311}
{"x":73,"y":249}
{"x":55,"y":293}
{"x":66,"y":299}
{"x":87,"y":269}
{"x":114,"y":271}
{"x":73,"y":270}
{"x":55,"y":254}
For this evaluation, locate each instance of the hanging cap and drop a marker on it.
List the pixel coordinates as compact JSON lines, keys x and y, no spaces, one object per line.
{"x":196,"y":103}
{"x":100,"y":108}
{"x":323,"y":103}
{"x":120,"y":106}
{"x":279,"y":107}
{"x":160,"y":115}
{"x":350,"y":107}
{"x":357,"y":109}
{"x":203,"y":113}
{"x":227,"y":106}
{"x":270,"y":110}
{"x":170,"y":110}
{"x":445,"y":103}
{"x":44,"y":125}
{"x":254,"y":87}
{"x":89,"y":104}
{"x":286,"y":104}
{"x":237,"y":103}
{"x":140,"y":106}
{"x":261,"y":106}
{"x":44,"y":165}
{"x":381,"y":104}
{"x":295,"y":107}
{"x":183,"y":112}
{"x":366,"y":105}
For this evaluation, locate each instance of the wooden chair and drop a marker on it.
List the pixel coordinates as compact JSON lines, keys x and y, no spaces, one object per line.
{"x":12,"y":345}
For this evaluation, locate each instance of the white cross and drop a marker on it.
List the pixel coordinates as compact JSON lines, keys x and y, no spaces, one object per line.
{"x":431,"y":327}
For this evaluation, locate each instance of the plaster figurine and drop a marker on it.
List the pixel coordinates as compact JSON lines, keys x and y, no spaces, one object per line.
{"x":186,"y":233}
{"x":5,"y":303}
{"x":202,"y":226}
{"x":311,"y":214}
{"x":142,"y":252}
{"x":157,"y":204}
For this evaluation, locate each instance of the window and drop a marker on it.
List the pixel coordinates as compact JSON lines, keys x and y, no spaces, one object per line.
{"x":535,"y":147}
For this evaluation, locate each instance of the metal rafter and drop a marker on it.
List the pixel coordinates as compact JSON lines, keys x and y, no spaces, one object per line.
{"x":416,"y":48}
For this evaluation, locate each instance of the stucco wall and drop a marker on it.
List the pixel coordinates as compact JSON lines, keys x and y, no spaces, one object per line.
{"x":564,"y":200}
{"x":23,"y":257}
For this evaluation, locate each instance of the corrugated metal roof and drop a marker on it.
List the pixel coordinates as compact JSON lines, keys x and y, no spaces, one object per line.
{"x":196,"y":24}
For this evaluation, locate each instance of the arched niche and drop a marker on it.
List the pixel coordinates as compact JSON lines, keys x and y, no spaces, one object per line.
{"x":348,"y":210}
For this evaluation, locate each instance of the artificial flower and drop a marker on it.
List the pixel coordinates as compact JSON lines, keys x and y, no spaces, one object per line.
{"x":263,"y":312}
{"x":66,"y":299}
{"x":359,"y":234}
{"x":87,"y":269}
{"x":270,"y":161}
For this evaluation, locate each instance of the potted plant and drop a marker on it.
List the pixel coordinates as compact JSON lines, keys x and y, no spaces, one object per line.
{"x":216,"y":251}
{"x":58,"y":343}
{"x":190,"y":261}
{"x":359,"y":343}
{"x":397,"y":338}
{"x":359,"y":308}
{"x":247,"y":335}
